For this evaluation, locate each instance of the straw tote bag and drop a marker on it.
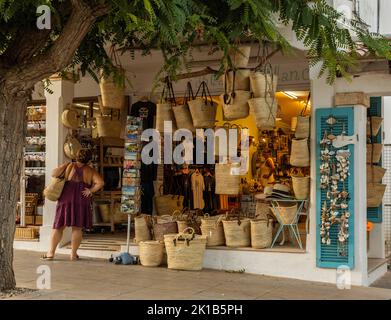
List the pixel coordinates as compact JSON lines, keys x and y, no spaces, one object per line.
{"x":112,"y":93}
{"x":240,"y":56}
{"x":263,"y":82}
{"x":237,"y":231}
{"x":264,"y":111}
{"x":238,"y":79}
{"x":151,"y":253}
{"x":202,"y":108}
{"x":182,"y":112}
{"x":300,"y":154}
{"x":301,"y":187}
{"x":303,"y":123}
{"x":164,"y":111}
{"x":54,"y":189}
{"x":142,"y":227}
{"x":109,"y":126}
{"x":227,"y":179}
{"x":262,"y":232}
{"x":167,"y":204}
{"x":160,"y":227}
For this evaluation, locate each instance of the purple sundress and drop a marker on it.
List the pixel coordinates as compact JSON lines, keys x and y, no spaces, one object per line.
{"x":73,"y":209}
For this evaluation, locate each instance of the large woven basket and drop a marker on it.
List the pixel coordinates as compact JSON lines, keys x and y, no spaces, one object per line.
{"x":300,"y":154}
{"x":240,"y":56}
{"x":185,"y":251}
{"x":375,"y":174}
{"x":237,"y":233}
{"x":242,"y":80}
{"x":287,"y":212}
{"x":302,"y":127}
{"x":301,"y":187}
{"x":237,"y":107}
{"x":108,"y":127}
{"x":376,"y":125}
{"x":25,"y":233}
{"x":142,"y":226}
{"x":261,"y":233}
{"x":263,"y":85}
{"x":164,"y":113}
{"x":203,"y":113}
{"x":183,"y":117}
{"x":212,"y":228}
{"x":151,"y":253}
{"x":377,"y":151}
{"x":264,"y":111}
{"x":375,"y":194}
{"x":163,"y":227}
{"x":113,"y":95}
{"x":227,"y":180}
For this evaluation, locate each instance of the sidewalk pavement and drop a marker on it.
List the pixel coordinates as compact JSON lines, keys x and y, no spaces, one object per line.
{"x":90,"y":279}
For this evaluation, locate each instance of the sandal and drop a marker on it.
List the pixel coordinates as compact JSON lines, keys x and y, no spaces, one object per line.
{"x":76,"y":258}
{"x":45,"y":257}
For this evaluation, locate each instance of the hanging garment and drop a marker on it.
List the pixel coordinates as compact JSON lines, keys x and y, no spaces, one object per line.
{"x":198,"y":187}
{"x":209,"y":193}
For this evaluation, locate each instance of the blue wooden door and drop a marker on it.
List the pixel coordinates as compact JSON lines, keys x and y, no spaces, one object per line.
{"x":330,"y":255}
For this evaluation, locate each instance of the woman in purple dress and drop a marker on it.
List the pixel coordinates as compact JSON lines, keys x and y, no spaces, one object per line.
{"x":74,"y":208}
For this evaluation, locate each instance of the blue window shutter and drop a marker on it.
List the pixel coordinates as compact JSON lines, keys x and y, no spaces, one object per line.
{"x":376,"y":214}
{"x":328,"y":256}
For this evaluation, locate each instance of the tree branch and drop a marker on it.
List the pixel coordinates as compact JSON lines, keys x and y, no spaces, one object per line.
{"x":59,"y":56}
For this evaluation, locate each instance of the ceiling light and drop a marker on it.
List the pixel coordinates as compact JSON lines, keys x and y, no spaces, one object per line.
{"x":290,"y":95}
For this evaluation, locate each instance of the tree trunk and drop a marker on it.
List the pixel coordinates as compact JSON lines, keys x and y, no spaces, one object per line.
{"x":12,"y":133}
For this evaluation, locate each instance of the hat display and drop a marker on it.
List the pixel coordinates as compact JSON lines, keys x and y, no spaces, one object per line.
{"x":280,"y":191}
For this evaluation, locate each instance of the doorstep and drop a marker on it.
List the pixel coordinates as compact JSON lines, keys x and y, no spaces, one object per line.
{"x":377,"y":268}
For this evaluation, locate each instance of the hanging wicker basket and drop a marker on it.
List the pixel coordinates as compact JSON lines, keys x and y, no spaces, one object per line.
{"x":376,"y":125}
{"x":375,"y":194}
{"x":151,"y":253}
{"x":212,"y":228}
{"x":185,"y":251}
{"x":164,"y":112}
{"x":263,"y":85}
{"x":70,"y":119}
{"x":375,"y":174}
{"x":376,"y":148}
{"x":300,"y":154}
{"x":301,"y":187}
{"x":264,"y":111}
{"x":236,"y":106}
{"x":142,"y":226}
{"x":237,"y":80}
{"x":183,"y":117}
{"x":261,"y":233}
{"x":227,"y":179}
{"x":108,"y":127}
{"x":112,"y":94}
{"x":302,"y":127}
{"x":240,"y":56}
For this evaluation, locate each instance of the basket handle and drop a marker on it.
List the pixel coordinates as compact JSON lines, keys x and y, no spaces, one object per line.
{"x":189,"y":94}
{"x":204,"y":93}
{"x":183,"y":236}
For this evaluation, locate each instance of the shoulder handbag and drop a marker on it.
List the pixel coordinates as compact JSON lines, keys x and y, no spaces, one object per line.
{"x":54,"y":190}
{"x":168,"y":203}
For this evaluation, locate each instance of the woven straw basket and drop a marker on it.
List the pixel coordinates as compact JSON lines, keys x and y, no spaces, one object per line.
{"x":203,"y":114}
{"x":22,"y":233}
{"x":183,"y":117}
{"x":300,"y":154}
{"x":108,"y":127}
{"x":242,"y":80}
{"x":261,"y":233}
{"x":375,"y":174}
{"x":237,"y":234}
{"x":302,"y":127}
{"x":227,"y":182}
{"x":212,"y":228}
{"x":264,"y":111}
{"x":301,"y":187}
{"x":142,"y":226}
{"x":113,"y":96}
{"x":375,"y":193}
{"x":376,"y":125}
{"x":151,"y":253}
{"x":164,"y":113}
{"x":163,"y":226}
{"x":185,"y":251}
{"x":182,"y":225}
{"x":259,"y":84}
{"x":70,"y":119}
{"x":240,"y":56}
{"x":377,"y":151}
{"x":237,"y":108}
{"x":262,"y":209}
{"x":286,"y":212}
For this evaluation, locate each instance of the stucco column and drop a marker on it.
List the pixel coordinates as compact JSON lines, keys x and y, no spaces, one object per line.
{"x":63,"y":92}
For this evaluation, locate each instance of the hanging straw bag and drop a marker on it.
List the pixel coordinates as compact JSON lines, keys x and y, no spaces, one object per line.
{"x":164,"y":109}
{"x":264,"y":111}
{"x":237,"y":231}
{"x":212,"y":228}
{"x":376,"y":123}
{"x":70,"y":119}
{"x":302,"y":130}
{"x":227,"y":179}
{"x":300,"y":154}
{"x":182,"y":112}
{"x":238,"y":79}
{"x":109,"y":126}
{"x":240,"y":56}
{"x":151,"y":253}
{"x":374,"y":151}
{"x":188,"y":218}
{"x":375,"y":194}
{"x":301,"y":187}
{"x":202,"y":108}
{"x":71,"y":147}
{"x":375,"y":174}
{"x":162,"y":227}
{"x":142,"y":227}
{"x":263,"y":81}
{"x":167,"y":204}
{"x":54,"y":189}
{"x":262,"y":232}
{"x":185,"y":251}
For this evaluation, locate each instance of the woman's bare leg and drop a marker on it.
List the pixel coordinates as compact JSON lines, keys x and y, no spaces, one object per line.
{"x":55,"y":239}
{"x":77,"y":236}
